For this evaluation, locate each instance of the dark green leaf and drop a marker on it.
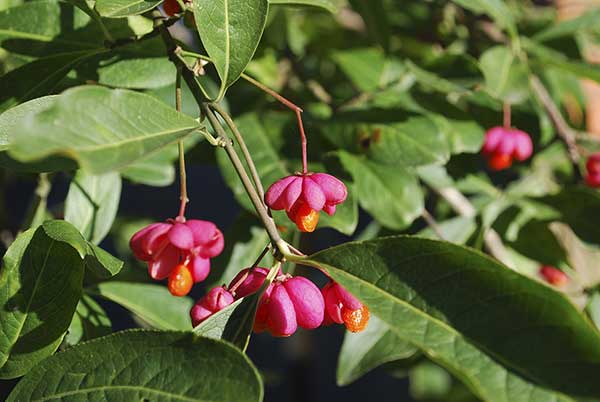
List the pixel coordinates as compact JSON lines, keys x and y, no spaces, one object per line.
{"x":92,"y":203}
{"x":363,"y":351}
{"x":230,"y":31}
{"x":152,"y":303}
{"x":144,"y":365}
{"x":102,"y":129}
{"x":473,"y":316}
{"x":415,"y":142}
{"x":90,"y":321}
{"x":40,"y":285}
{"x":38,"y":78}
{"x":497,"y":9}
{"x":374,"y":14}
{"x":548,"y":57}
{"x":324,"y":4}
{"x":392,"y":196}
{"x":124,"y":8}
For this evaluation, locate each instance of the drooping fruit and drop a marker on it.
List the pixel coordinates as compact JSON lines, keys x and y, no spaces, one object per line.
{"x":180,"y":280}
{"x":356,"y":320}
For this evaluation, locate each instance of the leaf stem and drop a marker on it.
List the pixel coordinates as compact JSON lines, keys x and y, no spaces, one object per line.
{"x":183,"y":197}
{"x":506,"y":115}
{"x":290,"y":105}
{"x":240,"y":140}
{"x":432,"y":223}
{"x":564,"y":131}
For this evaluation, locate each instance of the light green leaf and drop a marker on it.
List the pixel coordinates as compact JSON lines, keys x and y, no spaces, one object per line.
{"x":434,"y":81}
{"x":40,"y":285}
{"x":124,"y":8}
{"x":90,"y":321}
{"x":392,"y":196}
{"x":102,"y":263}
{"x":506,"y":78}
{"x":324,"y":4}
{"x":474,"y":316}
{"x":587,"y":20}
{"x":363,"y":351}
{"x":230,"y":31}
{"x":92,"y":203}
{"x":102,"y":129}
{"x":144,"y":365}
{"x":233,"y":323}
{"x":345,"y":219}
{"x":152,"y":303}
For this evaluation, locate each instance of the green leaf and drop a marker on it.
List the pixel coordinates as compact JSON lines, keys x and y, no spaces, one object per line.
{"x":548,"y":57}
{"x":345,"y":219}
{"x":324,"y":4}
{"x":44,"y":28}
{"x":587,"y":20}
{"x":576,"y":206}
{"x":141,"y":65}
{"x":152,"y":303}
{"x":230,"y":31}
{"x":102,"y":129}
{"x":392,"y":196}
{"x":506,"y":78}
{"x":92,"y":203}
{"x":40,"y":285}
{"x":434,"y":81}
{"x":375,"y":15}
{"x":364,"y":67}
{"x":102,"y":263}
{"x":473,"y":316}
{"x":40,"y":77}
{"x":144,"y":365}
{"x":582,"y":258}
{"x":90,"y":321}
{"x":415,"y":142}
{"x":497,"y":9}
{"x":233,"y":323}
{"x":124,"y":8}
{"x":363,"y":351}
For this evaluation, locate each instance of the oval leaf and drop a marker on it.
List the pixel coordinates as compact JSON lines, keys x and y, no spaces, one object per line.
{"x":102,"y":129}
{"x":363,"y":351}
{"x":124,"y":8}
{"x":40,"y":285}
{"x":230,"y":31}
{"x":152,"y":303}
{"x":324,"y":4}
{"x":473,"y":316}
{"x":144,"y":366}
{"x":92,"y":202}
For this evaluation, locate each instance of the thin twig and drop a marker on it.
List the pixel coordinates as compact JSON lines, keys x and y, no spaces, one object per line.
{"x":182,"y":173}
{"x":462,"y":206}
{"x":246,"y":154}
{"x":432,"y":223}
{"x":564,"y":131}
{"x":290,"y":105}
{"x":267,"y":221}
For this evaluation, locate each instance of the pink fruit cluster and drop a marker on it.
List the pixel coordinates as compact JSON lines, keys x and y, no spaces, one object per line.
{"x":593,"y":170}
{"x":304,"y":195}
{"x":287,"y":303}
{"x":169,"y":246}
{"x":553,"y":276}
{"x":501,"y":145}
